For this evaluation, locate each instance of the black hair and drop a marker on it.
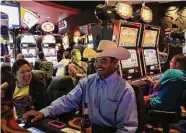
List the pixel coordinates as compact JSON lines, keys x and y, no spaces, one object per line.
{"x":181,"y":59}
{"x":17,"y":64}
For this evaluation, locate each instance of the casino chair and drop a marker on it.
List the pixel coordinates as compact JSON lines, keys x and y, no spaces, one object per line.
{"x":39,"y":76}
{"x":58,"y":87}
{"x":140,"y":107}
{"x":166,"y":118}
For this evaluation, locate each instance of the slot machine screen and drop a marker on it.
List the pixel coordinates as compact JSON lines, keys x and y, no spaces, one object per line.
{"x":132,"y":61}
{"x":48,"y":39}
{"x":46,"y":52}
{"x":184,"y":50}
{"x":52,"y":52}
{"x":150,"y":57}
{"x":13,"y":12}
{"x":32,"y":52}
{"x":28,"y":39}
{"x":149,"y":38}
{"x":24,"y":51}
{"x":128,"y":36}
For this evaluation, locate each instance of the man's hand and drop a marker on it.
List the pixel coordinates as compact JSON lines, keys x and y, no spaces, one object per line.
{"x":148,"y":78}
{"x":37,"y":115}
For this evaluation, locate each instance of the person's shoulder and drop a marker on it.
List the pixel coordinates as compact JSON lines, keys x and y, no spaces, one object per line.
{"x":88,"y":78}
{"x":173,"y":71}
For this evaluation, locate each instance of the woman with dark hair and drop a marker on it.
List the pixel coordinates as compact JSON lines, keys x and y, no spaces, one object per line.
{"x":77,"y":69}
{"x":6,"y":82}
{"x":28,"y":93}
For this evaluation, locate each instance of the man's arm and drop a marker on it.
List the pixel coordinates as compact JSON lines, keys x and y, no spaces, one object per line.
{"x":127,"y":116}
{"x":59,"y":106}
{"x":64,"y":104}
{"x":157,"y":86}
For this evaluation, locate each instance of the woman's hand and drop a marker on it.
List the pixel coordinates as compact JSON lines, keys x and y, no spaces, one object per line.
{"x":37,"y":115}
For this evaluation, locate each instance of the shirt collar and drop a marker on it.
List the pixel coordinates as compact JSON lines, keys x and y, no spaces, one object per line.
{"x":109,"y":79}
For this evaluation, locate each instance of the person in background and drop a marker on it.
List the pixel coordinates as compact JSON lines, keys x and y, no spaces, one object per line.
{"x":27,"y":93}
{"x":20,"y":56}
{"x":77,"y":68}
{"x":60,"y":53}
{"x":6,"y":82}
{"x":40,"y":60}
{"x":170,"y":87}
{"x":62,"y":64}
{"x":110,"y":99}
{"x":6,"y":79}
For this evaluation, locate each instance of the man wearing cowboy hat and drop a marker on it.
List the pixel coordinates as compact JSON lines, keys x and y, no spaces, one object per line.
{"x":110,"y":99}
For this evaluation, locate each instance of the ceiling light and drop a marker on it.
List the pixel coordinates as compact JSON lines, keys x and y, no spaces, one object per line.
{"x":48,"y":17}
{"x":146,"y":14}
{"x":124,"y":9}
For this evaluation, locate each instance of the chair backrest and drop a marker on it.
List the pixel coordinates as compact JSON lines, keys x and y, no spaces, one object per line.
{"x":58,"y":87}
{"x":39,"y":76}
{"x":183,"y":99}
{"x":48,"y":68}
{"x":140,"y":106}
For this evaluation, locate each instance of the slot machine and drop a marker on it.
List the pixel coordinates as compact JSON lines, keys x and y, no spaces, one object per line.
{"x":129,"y":36}
{"x":149,"y":46}
{"x":184,"y":47}
{"x":95,"y":33}
{"x":65,"y":41}
{"x":49,"y":48}
{"x":86,"y":30}
{"x":28,"y":47}
{"x":11,"y":49}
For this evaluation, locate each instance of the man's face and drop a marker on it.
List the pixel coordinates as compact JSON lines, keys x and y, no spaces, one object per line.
{"x":173,"y":64}
{"x":76,"y":56}
{"x":105,"y":66}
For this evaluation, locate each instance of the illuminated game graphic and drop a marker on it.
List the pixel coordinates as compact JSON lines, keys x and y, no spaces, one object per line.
{"x":150,"y":57}
{"x":48,"y":39}
{"x":132,"y":61}
{"x":24,"y":51}
{"x":32,"y":52}
{"x":28,"y":39}
{"x":52,"y":52}
{"x":46,"y":52}
{"x":128,"y":36}
{"x":150,"y":37}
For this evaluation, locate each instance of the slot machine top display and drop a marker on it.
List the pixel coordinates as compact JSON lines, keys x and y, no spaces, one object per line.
{"x":129,"y":38}
{"x":29,"y":46}
{"x":150,"y":36}
{"x":129,"y":34}
{"x":150,"y":49}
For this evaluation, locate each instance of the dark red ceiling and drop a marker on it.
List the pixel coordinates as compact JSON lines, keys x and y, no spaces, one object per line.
{"x":46,"y":9}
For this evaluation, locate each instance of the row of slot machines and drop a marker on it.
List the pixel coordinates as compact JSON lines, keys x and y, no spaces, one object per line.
{"x":140,"y":39}
{"x":142,"y":43}
{"x":27,"y":44}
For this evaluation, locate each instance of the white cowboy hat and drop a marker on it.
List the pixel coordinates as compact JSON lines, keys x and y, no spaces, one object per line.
{"x":107,"y":48}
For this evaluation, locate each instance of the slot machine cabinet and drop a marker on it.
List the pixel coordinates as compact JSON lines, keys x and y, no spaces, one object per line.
{"x":49,"y":48}
{"x":149,"y":46}
{"x":95,"y":33}
{"x":184,"y":46}
{"x":28,"y":47}
{"x":11,"y":49}
{"x":129,"y":37}
{"x":65,"y":41}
